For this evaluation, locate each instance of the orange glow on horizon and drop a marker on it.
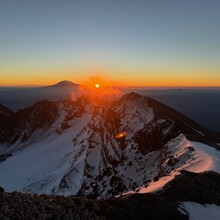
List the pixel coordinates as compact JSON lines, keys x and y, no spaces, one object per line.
{"x":97,"y":95}
{"x":115,"y":77}
{"x":127,"y":83}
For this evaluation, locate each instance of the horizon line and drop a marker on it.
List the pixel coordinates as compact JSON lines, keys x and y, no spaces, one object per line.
{"x":119,"y":86}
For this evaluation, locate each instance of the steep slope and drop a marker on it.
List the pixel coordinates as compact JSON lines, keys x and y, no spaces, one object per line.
{"x":97,"y":150}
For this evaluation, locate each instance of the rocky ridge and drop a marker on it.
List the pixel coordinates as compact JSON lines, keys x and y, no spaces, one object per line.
{"x":162,"y":205}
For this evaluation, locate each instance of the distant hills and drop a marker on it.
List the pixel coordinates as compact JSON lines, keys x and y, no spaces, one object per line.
{"x":202,"y":105}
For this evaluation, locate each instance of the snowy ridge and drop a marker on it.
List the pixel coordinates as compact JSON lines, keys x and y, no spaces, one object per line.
{"x":181,"y":154}
{"x":79,"y":152}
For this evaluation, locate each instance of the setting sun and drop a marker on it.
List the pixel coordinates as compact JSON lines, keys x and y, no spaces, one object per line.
{"x":97,"y":85}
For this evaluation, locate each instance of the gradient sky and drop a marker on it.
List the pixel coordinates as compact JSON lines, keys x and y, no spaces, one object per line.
{"x":139,"y":42}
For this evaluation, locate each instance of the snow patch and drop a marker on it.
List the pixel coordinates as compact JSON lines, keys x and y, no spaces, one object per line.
{"x":197,"y":211}
{"x":208,"y":153}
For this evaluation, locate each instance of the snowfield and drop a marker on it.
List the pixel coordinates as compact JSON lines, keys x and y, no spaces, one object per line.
{"x":43,"y":162}
{"x":200,"y":212}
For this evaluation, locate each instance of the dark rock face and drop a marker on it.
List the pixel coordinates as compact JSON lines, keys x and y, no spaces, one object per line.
{"x":1,"y":189}
{"x":201,"y":188}
{"x":13,"y":125}
{"x":154,"y":136}
{"x":196,"y":187}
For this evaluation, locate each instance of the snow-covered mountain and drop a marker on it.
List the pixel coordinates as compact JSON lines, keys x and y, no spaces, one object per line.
{"x":99,"y":148}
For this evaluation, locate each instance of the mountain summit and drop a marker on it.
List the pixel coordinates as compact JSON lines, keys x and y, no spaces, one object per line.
{"x":64,"y":83}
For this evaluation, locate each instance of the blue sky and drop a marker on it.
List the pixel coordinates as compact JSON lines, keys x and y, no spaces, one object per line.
{"x":144,"y":39}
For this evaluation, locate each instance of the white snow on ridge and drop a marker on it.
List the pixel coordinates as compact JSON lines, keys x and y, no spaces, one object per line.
{"x":208,"y":153}
{"x":158,"y":185}
{"x":200,"y":212}
{"x":201,"y":158}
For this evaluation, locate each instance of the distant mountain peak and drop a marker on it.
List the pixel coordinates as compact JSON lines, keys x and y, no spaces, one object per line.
{"x":64,"y":83}
{"x":132,"y":95}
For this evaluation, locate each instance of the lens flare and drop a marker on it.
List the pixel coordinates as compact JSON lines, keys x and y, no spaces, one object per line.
{"x":121,"y":135}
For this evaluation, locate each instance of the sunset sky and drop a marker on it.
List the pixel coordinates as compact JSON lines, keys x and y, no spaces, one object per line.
{"x":126,"y":42}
